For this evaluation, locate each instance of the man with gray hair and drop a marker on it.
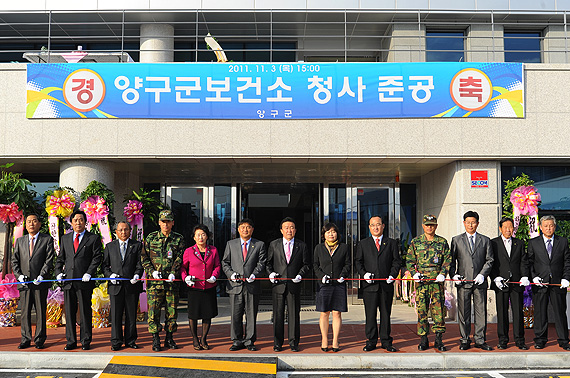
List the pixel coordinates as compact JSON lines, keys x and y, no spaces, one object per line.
{"x":549,"y":260}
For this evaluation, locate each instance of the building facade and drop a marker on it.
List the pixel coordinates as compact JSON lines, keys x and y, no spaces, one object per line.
{"x":217,"y":171}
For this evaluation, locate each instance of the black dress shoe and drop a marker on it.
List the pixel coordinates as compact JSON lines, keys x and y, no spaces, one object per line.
{"x":277,"y":348}
{"x":24,"y":345}
{"x":522,"y":346}
{"x":502,"y":346}
{"x":389,"y":348}
{"x":464,"y":346}
{"x":251,"y":348}
{"x":484,"y":346}
{"x":133,"y":346}
{"x":336,"y":350}
{"x":86,"y":346}
{"x":565,"y":346}
{"x":115,"y":348}
{"x":235,"y":347}
{"x":40,"y":346}
{"x":294,"y":348}
{"x":369,"y":348}
{"x":325,"y":349}
{"x":70,"y":346}
{"x":538,"y":346}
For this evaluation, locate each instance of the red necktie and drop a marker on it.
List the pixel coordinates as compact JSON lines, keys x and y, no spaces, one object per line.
{"x":244,"y":250}
{"x":31,"y":246}
{"x":76,"y":243}
{"x":378,"y":244}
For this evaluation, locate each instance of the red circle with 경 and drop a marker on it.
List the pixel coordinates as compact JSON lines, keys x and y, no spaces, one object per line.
{"x":471,"y":89}
{"x":84,"y":90}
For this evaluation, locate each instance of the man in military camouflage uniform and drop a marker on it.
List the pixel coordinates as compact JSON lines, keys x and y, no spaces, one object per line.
{"x":161,"y":259}
{"x":428,"y":260}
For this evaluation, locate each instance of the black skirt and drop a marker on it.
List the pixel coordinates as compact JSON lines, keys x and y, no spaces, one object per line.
{"x":332,"y":298}
{"x":202,"y":304}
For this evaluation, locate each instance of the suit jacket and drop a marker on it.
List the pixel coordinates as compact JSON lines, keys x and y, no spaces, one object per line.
{"x":383,"y":263}
{"x":202,"y":268}
{"x":39,"y":264}
{"x":550,"y":270}
{"x":468,"y":264}
{"x":254,"y":263}
{"x":513,"y":267}
{"x":299,"y":264}
{"x":75,"y":265}
{"x":335,"y":266}
{"x":127,"y":268}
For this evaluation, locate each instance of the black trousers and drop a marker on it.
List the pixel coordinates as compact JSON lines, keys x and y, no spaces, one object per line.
{"x":374,"y":300}
{"x":72,"y":298}
{"x":516,"y":299}
{"x":294,"y":324}
{"x":33,"y":298}
{"x":557,"y":297}
{"x":124,"y":303}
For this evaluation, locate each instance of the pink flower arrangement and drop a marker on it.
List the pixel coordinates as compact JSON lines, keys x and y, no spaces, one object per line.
{"x":10,"y":213}
{"x":94,"y":208}
{"x":8,"y":287}
{"x":133,"y":211}
{"x":526,"y":199}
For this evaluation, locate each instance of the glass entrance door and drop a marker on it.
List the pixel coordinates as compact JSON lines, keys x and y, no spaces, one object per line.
{"x":365,"y":202}
{"x":189,"y":205}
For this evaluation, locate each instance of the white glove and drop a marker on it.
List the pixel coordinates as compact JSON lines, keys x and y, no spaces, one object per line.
{"x":417,"y":277}
{"x":86,"y":277}
{"x":440,"y":278}
{"x":251,"y":278}
{"x":273,"y":277}
{"x":457,"y":277}
{"x":189,"y":280}
{"x":136,"y":277}
{"x":538,"y":281}
{"x":479,"y":279}
{"x":340,"y":280}
{"x":524,"y":281}
{"x":211,"y":280}
{"x":38,"y":280}
{"x":368,"y":278}
{"x":59,"y":278}
{"x":114,"y":275}
{"x":156,"y":275}
{"x":234,"y":277}
{"x":22,"y":278}
{"x":564,"y":283}
{"x":326,"y":279}
{"x":390,"y":279}
{"x":499,"y":282}
{"x":171,"y":277}
{"x":297,"y":278}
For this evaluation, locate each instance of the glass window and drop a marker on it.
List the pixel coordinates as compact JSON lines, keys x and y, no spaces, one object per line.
{"x":222,"y":216}
{"x":407,"y":214}
{"x":522,"y":46}
{"x":445,"y":46}
{"x":337,"y":207}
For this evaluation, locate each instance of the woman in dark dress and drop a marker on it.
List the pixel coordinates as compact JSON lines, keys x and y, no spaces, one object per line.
{"x":331,"y":263}
{"x":200,"y":269}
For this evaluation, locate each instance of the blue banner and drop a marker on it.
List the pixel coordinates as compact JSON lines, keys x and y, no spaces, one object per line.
{"x":274,"y":91}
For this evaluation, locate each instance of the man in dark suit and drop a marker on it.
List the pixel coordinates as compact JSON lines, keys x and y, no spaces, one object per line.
{"x":122,"y":259}
{"x":33,"y":260}
{"x":471,"y":263}
{"x":549,"y":260}
{"x":510,"y":264}
{"x":288,"y":261}
{"x":244,"y":260}
{"x":378,"y":261}
{"x":79,"y":257}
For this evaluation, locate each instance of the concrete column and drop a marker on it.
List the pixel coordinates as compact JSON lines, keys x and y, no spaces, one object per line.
{"x":157,"y":43}
{"x":484,"y":43}
{"x":77,"y":174}
{"x":554,"y":45}
{"x":407,"y":43}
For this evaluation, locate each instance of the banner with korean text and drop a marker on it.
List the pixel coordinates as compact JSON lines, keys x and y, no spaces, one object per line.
{"x":274,"y":90}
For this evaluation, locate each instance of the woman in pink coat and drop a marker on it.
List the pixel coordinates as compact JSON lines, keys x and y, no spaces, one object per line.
{"x":200,"y":269}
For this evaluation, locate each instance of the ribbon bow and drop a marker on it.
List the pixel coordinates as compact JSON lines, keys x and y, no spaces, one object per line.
{"x":526,"y":199}
{"x":94,"y":208}
{"x":10,"y":213}
{"x":61,"y":203}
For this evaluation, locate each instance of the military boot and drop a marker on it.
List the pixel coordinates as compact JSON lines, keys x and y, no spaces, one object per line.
{"x":424,"y":343}
{"x":169,"y":341}
{"x":438,"y":344}
{"x":156,"y":342}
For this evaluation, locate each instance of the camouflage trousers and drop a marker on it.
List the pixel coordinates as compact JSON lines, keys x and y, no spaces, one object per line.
{"x":430,"y":294}
{"x":157,"y":298}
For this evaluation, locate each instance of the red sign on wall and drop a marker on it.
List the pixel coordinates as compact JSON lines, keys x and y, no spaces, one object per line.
{"x":479,"y":179}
